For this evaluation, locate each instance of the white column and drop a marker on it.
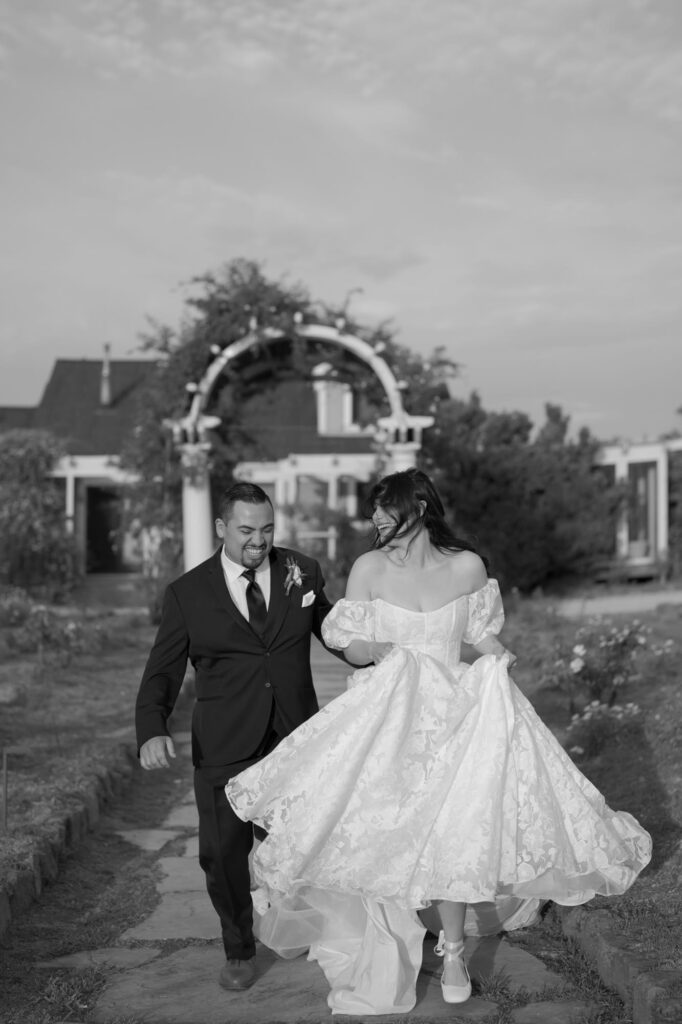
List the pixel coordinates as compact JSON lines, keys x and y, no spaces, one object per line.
{"x":197,"y":526}
{"x":70,"y":501}
{"x":333,"y":493}
{"x":402,"y":454}
{"x":662,"y":505}
{"x":620,"y":465}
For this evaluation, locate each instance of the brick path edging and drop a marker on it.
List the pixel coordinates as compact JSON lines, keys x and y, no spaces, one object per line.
{"x":23,"y":887}
{"x":644,"y":989}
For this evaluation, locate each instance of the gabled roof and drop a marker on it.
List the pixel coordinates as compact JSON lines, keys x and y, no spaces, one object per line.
{"x":71,"y":408}
{"x":281,"y":419}
{"x":15,"y":417}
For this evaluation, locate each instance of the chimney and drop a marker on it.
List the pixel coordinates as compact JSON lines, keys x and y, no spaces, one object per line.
{"x":105,"y":382}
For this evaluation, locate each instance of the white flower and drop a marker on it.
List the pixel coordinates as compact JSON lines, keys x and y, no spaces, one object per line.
{"x":576,"y":665}
{"x":294,"y":577}
{"x":580,"y":650}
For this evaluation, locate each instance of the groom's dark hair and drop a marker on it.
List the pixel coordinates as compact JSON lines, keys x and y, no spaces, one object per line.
{"x":242,"y":490}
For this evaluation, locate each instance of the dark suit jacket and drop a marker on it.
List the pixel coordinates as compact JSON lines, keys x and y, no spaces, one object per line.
{"x":238,"y":673}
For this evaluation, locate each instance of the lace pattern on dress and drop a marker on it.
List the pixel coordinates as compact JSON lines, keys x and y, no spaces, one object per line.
{"x":485,"y":613}
{"x":348,"y":621}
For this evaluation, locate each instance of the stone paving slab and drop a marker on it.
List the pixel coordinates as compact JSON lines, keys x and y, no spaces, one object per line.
{"x":185,"y":815}
{"x":191,"y":847}
{"x":183,"y":989}
{"x":179,"y":915}
{"x":182,"y":874}
{"x":111,"y":956}
{"x":150,"y":839}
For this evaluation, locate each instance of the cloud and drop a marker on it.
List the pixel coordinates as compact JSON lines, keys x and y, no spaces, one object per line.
{"x":618,"y":51}
{"x":382,"y":267}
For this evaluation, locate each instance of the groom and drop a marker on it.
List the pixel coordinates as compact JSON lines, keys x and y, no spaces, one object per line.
{"x":244,"y":619}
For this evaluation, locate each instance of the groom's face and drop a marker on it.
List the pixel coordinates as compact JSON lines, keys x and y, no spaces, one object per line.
{"x":247,"y":533}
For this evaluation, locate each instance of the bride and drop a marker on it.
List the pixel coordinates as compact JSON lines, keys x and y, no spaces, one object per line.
{"x":429,"y":789}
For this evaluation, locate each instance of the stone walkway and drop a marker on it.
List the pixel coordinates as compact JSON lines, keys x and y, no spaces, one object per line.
{"x":165,"y":969}
{"x":631,"y":603}
{"x":158,"y":983}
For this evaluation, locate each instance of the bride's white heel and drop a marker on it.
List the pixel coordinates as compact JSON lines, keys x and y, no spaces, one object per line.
{"x":453,"y":953}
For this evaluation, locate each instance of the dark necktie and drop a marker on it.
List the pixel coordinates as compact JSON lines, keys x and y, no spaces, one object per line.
{"x":255,"y":602}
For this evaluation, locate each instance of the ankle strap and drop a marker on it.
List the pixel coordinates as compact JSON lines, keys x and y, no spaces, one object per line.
{"x":442,"y":946}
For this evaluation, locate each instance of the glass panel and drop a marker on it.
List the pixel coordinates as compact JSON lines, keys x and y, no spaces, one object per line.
{"x":642,"y":509}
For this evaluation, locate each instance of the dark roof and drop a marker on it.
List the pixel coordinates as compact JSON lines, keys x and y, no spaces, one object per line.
{"x":15,"y":417}
{"x":282,"y":420}
{"x":70,"y":406}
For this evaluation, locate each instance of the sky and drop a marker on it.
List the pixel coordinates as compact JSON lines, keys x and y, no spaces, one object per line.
{"x":503,"y":179}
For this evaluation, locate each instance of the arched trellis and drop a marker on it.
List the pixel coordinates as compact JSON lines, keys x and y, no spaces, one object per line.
{"x":400,"y":431}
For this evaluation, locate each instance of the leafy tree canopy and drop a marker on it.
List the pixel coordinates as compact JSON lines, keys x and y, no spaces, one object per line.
{"x":539,"y":509}
{"x":222,"y":309}
{"x":36,"y":550}
{"x":536,"y":507}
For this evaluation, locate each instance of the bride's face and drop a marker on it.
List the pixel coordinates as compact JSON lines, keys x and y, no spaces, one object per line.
{"x":385,"y":521}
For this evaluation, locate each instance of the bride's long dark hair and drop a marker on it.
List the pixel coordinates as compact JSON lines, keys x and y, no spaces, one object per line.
{"x":402,"y":494}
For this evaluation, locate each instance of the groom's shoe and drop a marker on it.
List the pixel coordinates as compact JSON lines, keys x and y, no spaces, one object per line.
{"x":238,"y":974}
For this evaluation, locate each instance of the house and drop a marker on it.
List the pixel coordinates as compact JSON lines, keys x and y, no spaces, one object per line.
{"x":311,"y":452}
{"x":91,"y":404}
{"x":642,"y":543}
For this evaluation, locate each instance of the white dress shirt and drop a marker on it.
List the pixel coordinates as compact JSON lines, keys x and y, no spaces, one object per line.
{"x":237,"y":584}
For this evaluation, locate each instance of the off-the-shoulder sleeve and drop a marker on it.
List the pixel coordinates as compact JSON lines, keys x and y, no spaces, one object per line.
{"x":486,"y":614}
{"x":348,"y":621}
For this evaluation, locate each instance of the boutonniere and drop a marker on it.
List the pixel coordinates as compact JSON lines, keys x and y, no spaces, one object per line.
{"x":294,"y":576}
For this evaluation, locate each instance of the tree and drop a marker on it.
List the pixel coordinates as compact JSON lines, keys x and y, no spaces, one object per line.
{"x":224,"y":307}
{"x":537,"y":509}
{"x":36,"y":550}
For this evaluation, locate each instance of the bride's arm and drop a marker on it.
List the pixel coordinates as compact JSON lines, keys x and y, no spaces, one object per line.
{"x":491,"y":645}
{"x":358,"y":588}
{"x":474,"y":565}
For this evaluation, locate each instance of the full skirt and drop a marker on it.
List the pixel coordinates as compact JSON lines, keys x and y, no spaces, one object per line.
{"x":420,"y":783}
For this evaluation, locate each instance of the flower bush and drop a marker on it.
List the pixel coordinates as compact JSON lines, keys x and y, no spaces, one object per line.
{"x":47,"y":635}
{"x":593,"y":669}
{"x":15,"y":606}
{"x":601,"y":661}
{"x":598,"y":723}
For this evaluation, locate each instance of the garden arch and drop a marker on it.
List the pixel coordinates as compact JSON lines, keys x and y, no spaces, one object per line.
{"x":400,"y":432}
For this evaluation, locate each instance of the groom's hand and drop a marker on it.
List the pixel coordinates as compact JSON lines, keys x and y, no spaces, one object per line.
{"x":156,"y":751}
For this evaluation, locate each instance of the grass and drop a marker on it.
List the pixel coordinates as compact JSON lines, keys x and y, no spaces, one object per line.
{"x":62,"y":729}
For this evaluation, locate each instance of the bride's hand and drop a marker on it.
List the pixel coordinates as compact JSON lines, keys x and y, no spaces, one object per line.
{"x":511,"y":659}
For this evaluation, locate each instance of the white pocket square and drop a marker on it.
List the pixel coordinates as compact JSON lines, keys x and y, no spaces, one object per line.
{"x":307,"y":599}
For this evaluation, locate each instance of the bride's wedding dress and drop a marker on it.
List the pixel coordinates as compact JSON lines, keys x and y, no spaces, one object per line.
{"x":427,"y":779}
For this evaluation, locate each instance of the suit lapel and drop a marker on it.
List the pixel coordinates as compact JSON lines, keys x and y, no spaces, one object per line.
{"x":279,"y":601}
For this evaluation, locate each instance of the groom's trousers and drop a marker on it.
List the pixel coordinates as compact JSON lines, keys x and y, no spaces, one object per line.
{"x":225,"y":842}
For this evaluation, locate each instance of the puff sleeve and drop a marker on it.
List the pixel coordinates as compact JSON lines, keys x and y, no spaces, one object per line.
{"x":348,"y":621}
{"x":485,"y":613}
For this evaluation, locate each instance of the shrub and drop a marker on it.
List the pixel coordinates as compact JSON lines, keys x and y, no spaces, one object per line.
{"x":15,"y":606}
{"x":602,"y":659}
{"x":46,"y":634}
{"x":36,"y":550}
{"x":598,"y":724}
